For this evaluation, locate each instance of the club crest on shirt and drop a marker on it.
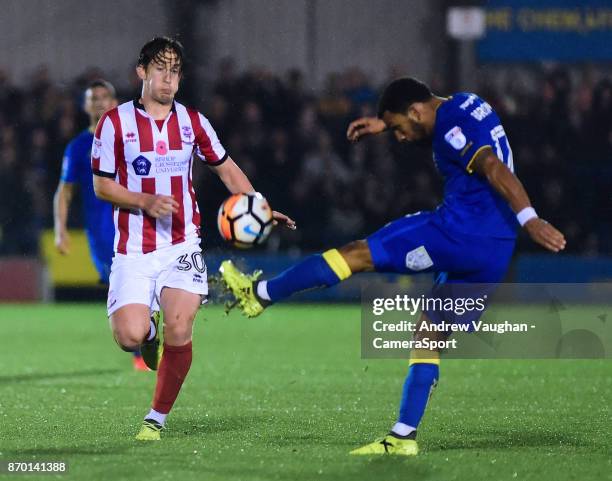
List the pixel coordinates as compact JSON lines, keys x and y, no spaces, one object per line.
{"x":141,"y":165}
{"x":187,"y":133}
{"x":456,"y":138}
{"x":418,"y":259}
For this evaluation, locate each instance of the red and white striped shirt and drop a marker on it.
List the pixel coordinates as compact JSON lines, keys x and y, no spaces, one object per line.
{"x":130,"y":147}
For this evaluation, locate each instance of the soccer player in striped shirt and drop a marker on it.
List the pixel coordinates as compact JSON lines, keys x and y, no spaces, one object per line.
{"x":142,"y":162}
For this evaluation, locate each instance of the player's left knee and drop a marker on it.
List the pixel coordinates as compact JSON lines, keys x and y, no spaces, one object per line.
{"x":357,"y":255}
{"x":178,"y":327}
{"x":182,"y":318}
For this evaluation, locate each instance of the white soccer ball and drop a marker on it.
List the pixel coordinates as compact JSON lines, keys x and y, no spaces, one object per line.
{"x":245,"y":220}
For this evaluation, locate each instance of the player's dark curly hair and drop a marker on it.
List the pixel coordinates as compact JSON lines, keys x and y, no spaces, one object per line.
{"x":154,"y":50}
{"x":400,"y":94}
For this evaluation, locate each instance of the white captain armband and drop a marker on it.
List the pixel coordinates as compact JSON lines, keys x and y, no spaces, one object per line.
{"x":526,"y":215}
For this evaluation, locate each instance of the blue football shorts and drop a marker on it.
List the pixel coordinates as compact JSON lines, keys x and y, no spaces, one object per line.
{"x":419,"y":243}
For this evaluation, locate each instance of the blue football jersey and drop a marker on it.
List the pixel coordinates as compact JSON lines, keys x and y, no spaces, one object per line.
{"x":465,"y":124}
{"x":97,"y":214}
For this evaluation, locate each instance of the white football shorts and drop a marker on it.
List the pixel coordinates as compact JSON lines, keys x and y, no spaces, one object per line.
{"x":140,"y":279}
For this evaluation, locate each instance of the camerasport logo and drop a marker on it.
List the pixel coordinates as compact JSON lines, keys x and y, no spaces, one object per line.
{"x":131,"y":137}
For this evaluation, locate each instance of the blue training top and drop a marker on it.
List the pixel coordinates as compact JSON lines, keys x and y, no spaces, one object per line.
{"x":464,"y":125}
{"x":98,"y":215}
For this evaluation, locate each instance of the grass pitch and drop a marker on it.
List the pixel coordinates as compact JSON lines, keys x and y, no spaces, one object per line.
{"x":286,"y":396}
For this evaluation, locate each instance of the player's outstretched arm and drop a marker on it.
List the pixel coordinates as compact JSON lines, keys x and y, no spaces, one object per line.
{"x":509,"y":186}
{"x":154,"y":205}
{"x":365,"y":126}
{"x":61,"y":204}
{"x":236,"y":182}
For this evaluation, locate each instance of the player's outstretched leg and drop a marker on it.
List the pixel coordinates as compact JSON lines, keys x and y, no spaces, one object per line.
{"x":319,"y":270}
{"x":179,"y":307}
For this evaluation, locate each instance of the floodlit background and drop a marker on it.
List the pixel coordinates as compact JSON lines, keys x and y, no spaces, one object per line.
{"x":280,"y":82}
{"x":287,"y":395}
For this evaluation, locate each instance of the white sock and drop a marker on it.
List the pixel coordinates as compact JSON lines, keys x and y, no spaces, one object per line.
{"x":152,"y":331}
{"x":402,"y":429}
{"x":159,"y":417}
{"x":262,"y":290}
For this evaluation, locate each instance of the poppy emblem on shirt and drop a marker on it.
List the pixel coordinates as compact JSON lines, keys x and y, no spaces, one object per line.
{"x":161,"y":148}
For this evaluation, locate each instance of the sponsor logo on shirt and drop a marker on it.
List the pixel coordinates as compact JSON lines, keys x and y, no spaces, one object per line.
{"x":131,"y":137}
{"x":168,"y":164}
{"x":456,"y":138}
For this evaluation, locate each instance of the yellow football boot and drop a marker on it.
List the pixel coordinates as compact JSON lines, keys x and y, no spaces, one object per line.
{"x":241,"y":286}
{"x":149,"y":431}
{"x":389,"y":445}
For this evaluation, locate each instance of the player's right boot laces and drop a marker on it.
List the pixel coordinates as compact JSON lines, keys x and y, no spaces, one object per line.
{"x":151,"y":351}
{"x":241,"y":287}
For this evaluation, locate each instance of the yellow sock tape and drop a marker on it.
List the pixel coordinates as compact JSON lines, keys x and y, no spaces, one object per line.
{"x":337,"y":264}
{"x":424,"y":356}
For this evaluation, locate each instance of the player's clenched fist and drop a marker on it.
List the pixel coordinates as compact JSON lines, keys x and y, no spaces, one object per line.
{"x":159,"y":205}
{"x":364,"y":126}
{"x":545,"y":234}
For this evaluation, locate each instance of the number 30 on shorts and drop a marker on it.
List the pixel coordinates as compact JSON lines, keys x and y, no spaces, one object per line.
{"x":197,"y":262}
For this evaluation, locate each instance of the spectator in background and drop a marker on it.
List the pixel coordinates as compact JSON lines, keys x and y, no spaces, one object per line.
{"x":290,"y":138}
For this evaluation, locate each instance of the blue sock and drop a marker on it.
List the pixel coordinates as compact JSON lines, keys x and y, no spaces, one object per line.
{"x":422,"y":378}
{"x":320,"y":270}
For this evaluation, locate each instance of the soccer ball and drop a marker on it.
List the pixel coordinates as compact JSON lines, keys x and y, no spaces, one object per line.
{"x":245,"y":219}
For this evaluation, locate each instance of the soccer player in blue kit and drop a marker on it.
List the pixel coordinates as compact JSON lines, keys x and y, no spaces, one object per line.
{"x":470,"y":238}
{"x":76,"y":169}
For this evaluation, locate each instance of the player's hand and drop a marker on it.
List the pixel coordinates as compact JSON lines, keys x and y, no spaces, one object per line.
{"x":62,"y":242}
{"x":160,"y":205}
{"x":282,"y":218}
{"x":545,"y":234}
{"x":364,"y":126}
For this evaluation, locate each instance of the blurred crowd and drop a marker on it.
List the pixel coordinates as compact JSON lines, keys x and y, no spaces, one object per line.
{"x":291,"y":141}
